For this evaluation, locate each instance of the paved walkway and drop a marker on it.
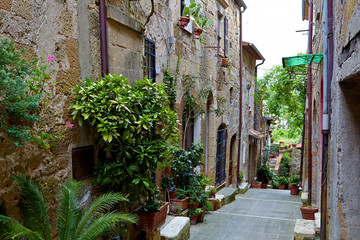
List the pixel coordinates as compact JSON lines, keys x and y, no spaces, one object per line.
{"x":259,"y":214}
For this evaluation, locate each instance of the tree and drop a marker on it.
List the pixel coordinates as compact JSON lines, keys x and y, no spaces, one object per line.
{"x":283,"y":90}
{"x":73,"y":222}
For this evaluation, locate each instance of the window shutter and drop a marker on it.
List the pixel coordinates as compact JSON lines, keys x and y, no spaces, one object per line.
{"x":226,"y":40}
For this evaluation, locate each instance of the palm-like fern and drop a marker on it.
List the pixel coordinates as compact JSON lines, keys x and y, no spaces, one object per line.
{"x":74,"y":223}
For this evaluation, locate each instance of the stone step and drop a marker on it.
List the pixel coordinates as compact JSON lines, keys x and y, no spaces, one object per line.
{"x":178,"y":228}
{"x":242,"y":188}
{"x":226,"y":195}
{"x":304,"y":229}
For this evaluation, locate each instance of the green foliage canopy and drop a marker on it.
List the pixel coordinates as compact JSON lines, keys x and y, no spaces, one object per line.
{"x":284,"y":90}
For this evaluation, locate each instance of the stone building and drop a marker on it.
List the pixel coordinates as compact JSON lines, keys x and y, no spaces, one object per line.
{"x":136,"y":39}
{"x":335,"y":117}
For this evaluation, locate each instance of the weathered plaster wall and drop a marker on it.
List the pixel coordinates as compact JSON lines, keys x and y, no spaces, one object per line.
{"x":345,"y":131}
{"x":49,"y":28}
{"x":196,"y":60}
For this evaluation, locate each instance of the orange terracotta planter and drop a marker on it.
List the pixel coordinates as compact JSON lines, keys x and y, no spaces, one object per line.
{"x":178,"y":203}
{"x":151,"y":221}
{"x":308,"y":212}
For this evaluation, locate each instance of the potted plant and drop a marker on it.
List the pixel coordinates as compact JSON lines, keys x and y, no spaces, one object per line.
{"x":264,"y":175}
{"x":189,"y":13}
{"x":151,"y":214}
{"x":212,"y":192}
{"x":181,"y":201}
{"x":193,"y":214}
{"x":294,"y":184}
{"x":201,"y":22}
{"x":167,"y":183}
{"x":282,"y":182}
{"x":308,"y":211}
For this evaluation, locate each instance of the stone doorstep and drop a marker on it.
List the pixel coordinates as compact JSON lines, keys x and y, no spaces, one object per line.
{"x":304,"y":229}
{"x":178,"y":228}
{"x":226,"y":195}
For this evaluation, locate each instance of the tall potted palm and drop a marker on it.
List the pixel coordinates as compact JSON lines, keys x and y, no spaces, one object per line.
{"x":73,"y":221}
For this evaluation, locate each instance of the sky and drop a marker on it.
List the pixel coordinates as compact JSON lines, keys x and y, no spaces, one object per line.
{"x":271,"y":26}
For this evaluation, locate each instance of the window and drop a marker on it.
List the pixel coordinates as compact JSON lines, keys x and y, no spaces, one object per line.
{"x":150,"y":59}
{"x":83,"y":162}
{"x":226,"y":40}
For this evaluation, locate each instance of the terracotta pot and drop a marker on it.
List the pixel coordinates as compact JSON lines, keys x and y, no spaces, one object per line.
{"x":294,"y":190}
{"x":184,"y":21}
{"x":193,"y":219}
{"x":198,"y":31}
{"x":151,"y":221}
{"x":201,"y":216}
{"x":213,"y":202}
{"x":264,"y":185}
{"x":256,"y":185}
{"x":282,"y":148}
{"x":193,"y":205}
{"x":281,"y":186}
{"x":173,"y":194}
{"x":308,"y":212}
{"x":181,"y":203}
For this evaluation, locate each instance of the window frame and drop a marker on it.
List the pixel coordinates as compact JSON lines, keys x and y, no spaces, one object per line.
{"x":151,"y":55}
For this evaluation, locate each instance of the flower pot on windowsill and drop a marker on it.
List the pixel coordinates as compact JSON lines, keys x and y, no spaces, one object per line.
{"x":308,"y":212}
{"x":184,"y":21}
{"x":180,"y":203}
{"x":151,"y":221}
{"x":198,"y":31}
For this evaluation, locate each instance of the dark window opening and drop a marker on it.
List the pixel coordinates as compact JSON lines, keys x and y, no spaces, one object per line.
{"x":150,"y":59}
{"x":83,"y":162}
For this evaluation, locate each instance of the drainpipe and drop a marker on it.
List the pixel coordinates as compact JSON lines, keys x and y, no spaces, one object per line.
{"x":310,"y":102}
{"x":103,"y":39}
{"x":240,"y":97}
{"x":327,"y":72}
{"x":302,"y":149}
{"x":255,"y":113}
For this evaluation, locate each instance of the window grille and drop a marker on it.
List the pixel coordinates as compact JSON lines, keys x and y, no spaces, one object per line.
{"x":150,"y":59}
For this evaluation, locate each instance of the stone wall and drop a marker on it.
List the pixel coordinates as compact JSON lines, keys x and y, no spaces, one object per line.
{"x":344,"y":150}
{"x":50,"y":28}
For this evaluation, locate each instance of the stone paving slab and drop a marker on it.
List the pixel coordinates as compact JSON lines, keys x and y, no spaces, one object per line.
{"x":258,"y":214}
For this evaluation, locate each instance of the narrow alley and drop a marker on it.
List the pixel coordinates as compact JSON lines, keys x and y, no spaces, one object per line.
{"x":257,"y":214}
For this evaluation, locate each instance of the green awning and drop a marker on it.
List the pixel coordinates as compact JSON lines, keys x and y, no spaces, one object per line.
{"x":302,"y":59}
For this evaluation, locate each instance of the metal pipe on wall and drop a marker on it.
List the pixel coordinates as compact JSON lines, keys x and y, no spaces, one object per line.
{"x":240,"y":95}
{"x":310,"y":102}
{"x":103,"y":39}
{"x":327,"y":72}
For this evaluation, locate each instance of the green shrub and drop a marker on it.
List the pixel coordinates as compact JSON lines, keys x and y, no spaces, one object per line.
{"x":284,"y":165}
{"x":283,"y":180}
{"x":295,"y":180}
{"x":136,"y":127}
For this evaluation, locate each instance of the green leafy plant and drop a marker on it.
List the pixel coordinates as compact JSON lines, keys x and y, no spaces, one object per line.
{"x":183,"y":164}
{"x":136,"y":126}
{"x":181,"y":193}
{"x":264,"y":174}
{"x":194,"y":212}
{"x":241,"y":176}
{"x":284,"y":165}
{"x":192,"y":10}
{"x":283,"y":180}
{"x":202,"y":22}
{"x":23,"y":98}
{"x":295,"y":180}
{"x":169,"y":81}
{"x":73,"y":221}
